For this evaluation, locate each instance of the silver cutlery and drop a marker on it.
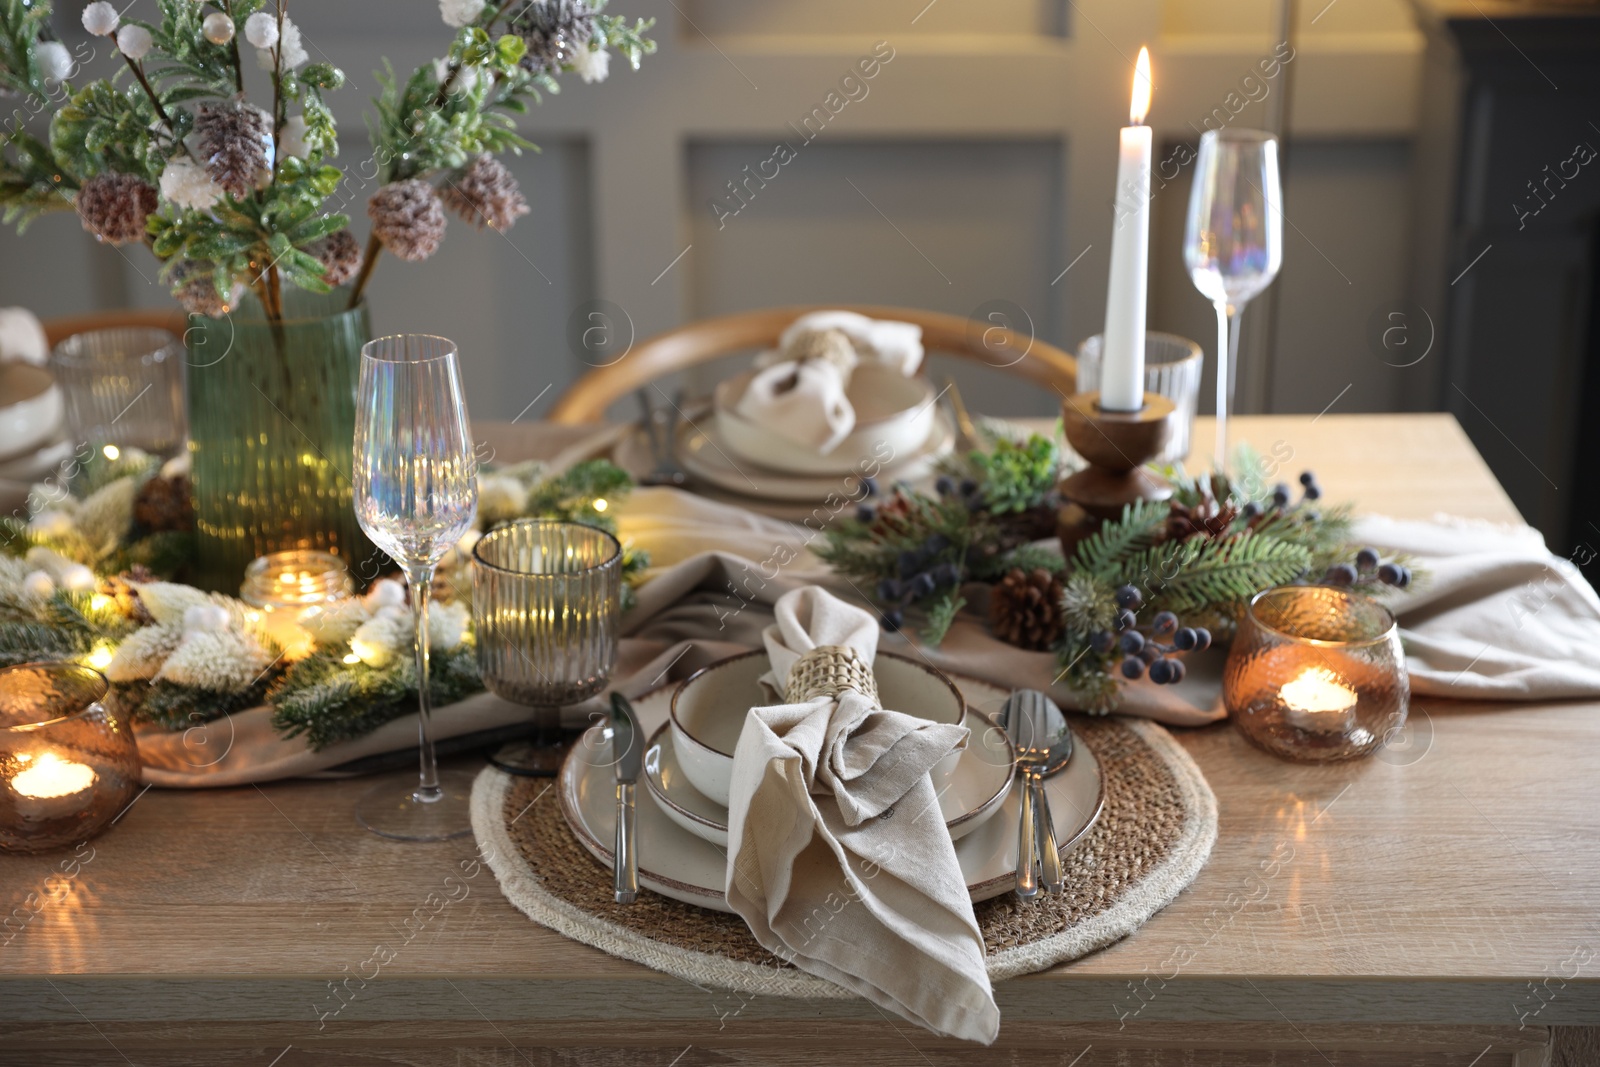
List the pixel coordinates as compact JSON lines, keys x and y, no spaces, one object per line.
{"x":627,"y":756}
{"x":1044,"y":746}
{"x":1018,"y":727}
{"x":662,"y":430}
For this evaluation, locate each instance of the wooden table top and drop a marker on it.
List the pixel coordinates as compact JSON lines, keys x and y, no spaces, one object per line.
{"x":1455,"y":880}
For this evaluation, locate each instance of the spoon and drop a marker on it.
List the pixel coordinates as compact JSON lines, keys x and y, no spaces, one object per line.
{"x":1044,"y":746}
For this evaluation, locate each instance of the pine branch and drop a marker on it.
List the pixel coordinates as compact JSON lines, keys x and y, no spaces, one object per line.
{"x":941,"y":616}
{"x":1186,"y":576}
{"x":1103,"y":552}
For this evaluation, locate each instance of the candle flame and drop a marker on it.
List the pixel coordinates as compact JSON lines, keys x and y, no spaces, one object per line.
{"x":53,"y":776}
{"x":1318,"y":689}
{"x":1141,"y":89}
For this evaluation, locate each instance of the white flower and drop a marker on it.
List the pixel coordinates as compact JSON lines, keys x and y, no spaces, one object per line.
{"x":134,"y":42}
{"x":386,"y":593}
{"x":381,"y":637}
{"x":188,"y":184}
{"x":292,"y":138}
{"x":175,"y":466}
{"x":205,"y":617}
{"x":459,"y":13}
{"x":100,"y":19}
{"x":261,"y":29}
{"x":290,"y":45}
{"x":39,"y":584}
{"x":447,"y":626}
{"x":54,"y":60}
{"x":167,"y":601}
{"x":217,"y":27}
{"x":592,"y":64}
{"x":331,"y":624}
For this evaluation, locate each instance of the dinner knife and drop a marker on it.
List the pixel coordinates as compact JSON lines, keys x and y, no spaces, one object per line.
{"x":627,"y":754}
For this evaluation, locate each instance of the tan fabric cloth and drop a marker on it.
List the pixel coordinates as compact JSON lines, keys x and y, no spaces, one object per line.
{"x":828,"y":863}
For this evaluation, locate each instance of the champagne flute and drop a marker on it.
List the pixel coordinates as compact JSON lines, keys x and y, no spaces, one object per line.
{"x":1233,"y":242}
{"x":416,"y":492}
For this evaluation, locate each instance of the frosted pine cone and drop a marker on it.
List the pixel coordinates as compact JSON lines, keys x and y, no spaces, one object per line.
{"x":485,"y":194}
{"x":233,"y":139}
{"x":196,"y":290}
{"x":554,"y":31}
{"x":408,"y":218}
{"x":340,"y":256}
{"x":114,"y":207}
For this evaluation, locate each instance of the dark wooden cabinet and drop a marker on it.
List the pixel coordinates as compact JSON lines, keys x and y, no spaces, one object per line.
{"x":1507,"y":198}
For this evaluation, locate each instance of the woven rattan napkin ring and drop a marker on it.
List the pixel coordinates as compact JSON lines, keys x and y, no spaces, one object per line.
{"x":827,"y":671}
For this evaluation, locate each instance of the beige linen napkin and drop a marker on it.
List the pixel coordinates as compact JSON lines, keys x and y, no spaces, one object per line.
{"x":829,"y":863}
{"x":897,"y":344}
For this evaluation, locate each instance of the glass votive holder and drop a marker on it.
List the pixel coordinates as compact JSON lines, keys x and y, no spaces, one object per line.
{"x":1316,"y":673}
{"x":284,"y":585}
{"x":1172,"y":367}
{"x":124,"y":386}
{"x":68,"y":763}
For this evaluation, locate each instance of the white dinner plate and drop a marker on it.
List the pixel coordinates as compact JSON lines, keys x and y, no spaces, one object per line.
{"x":679,"y":865}
{"x":704,"y":455}
{"x":976,"y":790}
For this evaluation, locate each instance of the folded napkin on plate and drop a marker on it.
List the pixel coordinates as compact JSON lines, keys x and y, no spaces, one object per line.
{"x":799,"y":390}
{"x":829,"y":862}
{"x":22,"y":338}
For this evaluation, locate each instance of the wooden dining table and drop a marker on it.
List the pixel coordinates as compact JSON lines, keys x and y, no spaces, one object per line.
{"x":1436,"y":903}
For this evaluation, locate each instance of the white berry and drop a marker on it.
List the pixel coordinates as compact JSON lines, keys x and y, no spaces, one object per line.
{"x":217,"y":27}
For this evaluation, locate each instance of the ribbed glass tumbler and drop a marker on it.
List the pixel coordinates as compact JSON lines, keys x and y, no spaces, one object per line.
{"x":546,"y":597}
{"x":1316,"y":673}
{"x":1172,"y":367}
{"x":123,"y":386}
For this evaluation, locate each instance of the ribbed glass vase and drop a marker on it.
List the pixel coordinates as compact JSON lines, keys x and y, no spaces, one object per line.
{"x":271,"y":423}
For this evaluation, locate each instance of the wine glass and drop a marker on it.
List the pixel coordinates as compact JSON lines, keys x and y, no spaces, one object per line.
{"x":416,"y":491}
{"x":1233,"y":242}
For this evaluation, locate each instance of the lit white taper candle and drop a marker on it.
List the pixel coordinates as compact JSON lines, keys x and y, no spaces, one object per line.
{"x":1122,"y":370}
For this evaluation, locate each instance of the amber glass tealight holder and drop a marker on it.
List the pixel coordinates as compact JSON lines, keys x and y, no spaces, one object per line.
{"x":1316,"y":674}
{"x":68,"y":763}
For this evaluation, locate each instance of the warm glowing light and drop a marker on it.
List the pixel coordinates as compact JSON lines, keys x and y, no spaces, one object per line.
{"x":100,"y":657}
{"x":1141,"y":89}
{"x":601,"y":505}
{"x":352,"y":659}
{"x":52,"y":776}
{"x":100,"y":602}
{"x":1318,"y":690}
{"x":111,"y":451}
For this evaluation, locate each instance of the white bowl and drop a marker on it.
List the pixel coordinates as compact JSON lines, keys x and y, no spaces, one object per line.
{"x":894,"y":420}
{"x":709,"y":708}
{"x":30,"y":407}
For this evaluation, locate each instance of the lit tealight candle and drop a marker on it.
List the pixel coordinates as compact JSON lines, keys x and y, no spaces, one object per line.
{"x":49,"y":786}
{"x":1318,"y":701}
{"x":285,"y":584}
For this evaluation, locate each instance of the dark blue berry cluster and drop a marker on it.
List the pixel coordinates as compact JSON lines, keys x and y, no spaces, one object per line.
{"x":1366,"y":568}
{"x":918,"y":574}
{"x":1153,"y":653}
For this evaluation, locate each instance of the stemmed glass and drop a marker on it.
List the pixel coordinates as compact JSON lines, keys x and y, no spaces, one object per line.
{"x":416,"y":491}
{"x":1233,"y":243}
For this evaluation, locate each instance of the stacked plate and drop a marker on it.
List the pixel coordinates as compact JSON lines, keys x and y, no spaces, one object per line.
{"x":683,"y":831}
{"x":900,"y":433}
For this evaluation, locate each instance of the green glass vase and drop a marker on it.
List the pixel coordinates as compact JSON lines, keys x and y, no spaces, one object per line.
{"x":271,"y":424}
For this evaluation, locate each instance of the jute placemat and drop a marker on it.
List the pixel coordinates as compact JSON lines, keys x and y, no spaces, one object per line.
{"x":1152,"y":838}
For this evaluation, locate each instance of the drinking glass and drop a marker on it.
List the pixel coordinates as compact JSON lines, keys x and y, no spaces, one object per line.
{"x":415,"y":482}
{"x":123,"y":386}
{"x":1171,"y":369}
{"x":546,"y":597}
{"x":1233,"y":242}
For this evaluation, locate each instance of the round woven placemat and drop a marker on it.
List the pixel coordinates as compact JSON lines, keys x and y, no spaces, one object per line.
{"x":1152,"y":838}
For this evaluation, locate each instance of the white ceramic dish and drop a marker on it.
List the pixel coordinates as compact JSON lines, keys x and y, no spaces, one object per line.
{"x":894,"y":417}
{"x":709,"y":708}
{"x":705,"y":455}
{"x":676,"y":864}
{"x":30,"y":408}
{"x":973,"y":793}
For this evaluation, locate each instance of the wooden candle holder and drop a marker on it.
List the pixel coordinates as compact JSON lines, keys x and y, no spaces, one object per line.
{"x":1117,"y":445}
